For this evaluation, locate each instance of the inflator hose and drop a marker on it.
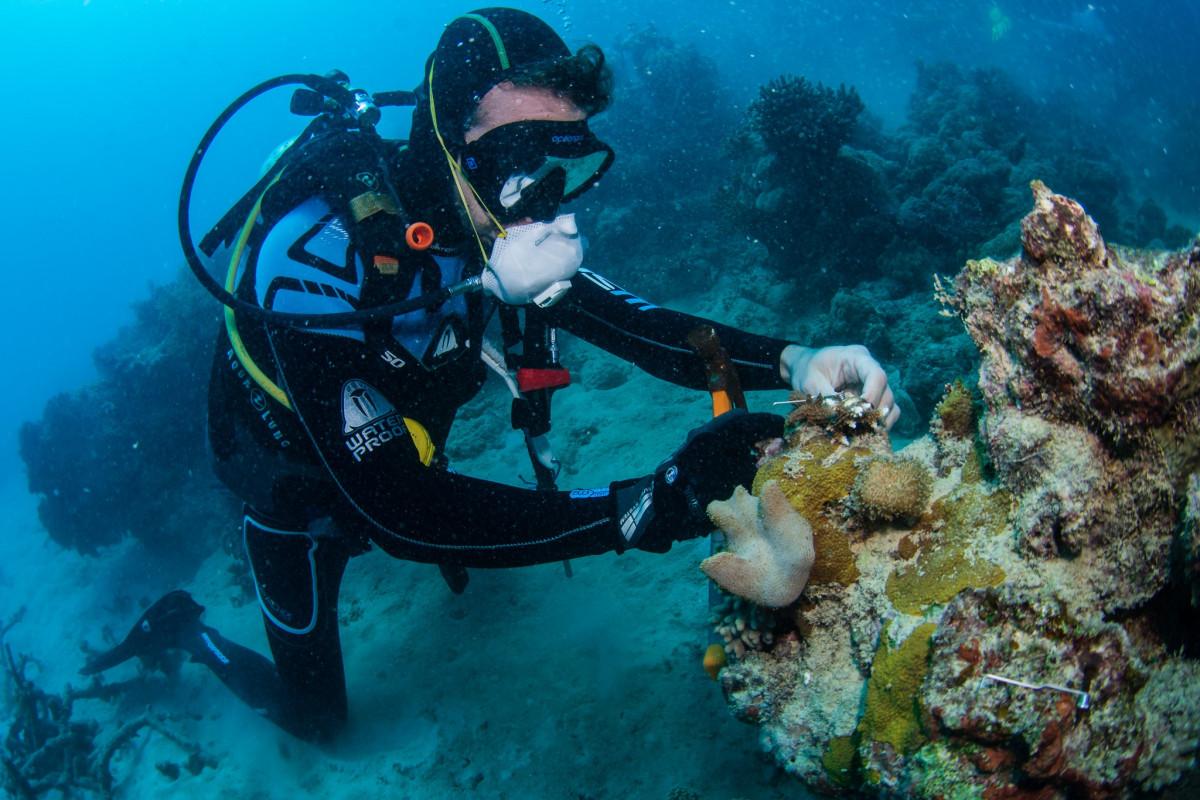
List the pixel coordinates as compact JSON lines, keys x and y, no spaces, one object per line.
{"x":347,"y":100}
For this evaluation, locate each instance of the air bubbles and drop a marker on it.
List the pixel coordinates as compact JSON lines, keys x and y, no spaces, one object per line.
{"x":560,"y":8}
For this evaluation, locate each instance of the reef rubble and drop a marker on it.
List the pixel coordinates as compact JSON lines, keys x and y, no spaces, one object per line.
{"x":1006,"y":608}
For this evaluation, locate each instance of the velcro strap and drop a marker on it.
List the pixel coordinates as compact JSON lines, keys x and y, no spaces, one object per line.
{"x":369,"y":203}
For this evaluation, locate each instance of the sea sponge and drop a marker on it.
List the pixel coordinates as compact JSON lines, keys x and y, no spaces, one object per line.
{"x":891,"y":488}
{"x":770,"y":545}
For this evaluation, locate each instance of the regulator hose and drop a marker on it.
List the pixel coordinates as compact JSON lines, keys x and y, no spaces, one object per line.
{"x":356,"y":107}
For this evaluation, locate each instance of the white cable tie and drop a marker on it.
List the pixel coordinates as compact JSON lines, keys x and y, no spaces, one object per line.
{"x":1083,"y":699}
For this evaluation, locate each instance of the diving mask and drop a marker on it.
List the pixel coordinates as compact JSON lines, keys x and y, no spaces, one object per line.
{"x":528,"y":169}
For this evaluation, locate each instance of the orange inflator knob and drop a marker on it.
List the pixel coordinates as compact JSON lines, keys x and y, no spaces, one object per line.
{"x":419,"y":235}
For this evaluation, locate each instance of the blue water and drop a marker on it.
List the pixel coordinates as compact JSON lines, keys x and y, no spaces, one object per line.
{"x":106,"y":99}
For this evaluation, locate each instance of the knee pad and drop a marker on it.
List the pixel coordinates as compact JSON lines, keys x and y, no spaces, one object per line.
{"x":283,"y":563}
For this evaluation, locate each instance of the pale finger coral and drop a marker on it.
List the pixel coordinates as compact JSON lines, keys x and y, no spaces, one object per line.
{"x":770,"y":546}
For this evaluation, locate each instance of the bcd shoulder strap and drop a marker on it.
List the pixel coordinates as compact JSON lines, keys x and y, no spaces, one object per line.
{"x":349,"y":171}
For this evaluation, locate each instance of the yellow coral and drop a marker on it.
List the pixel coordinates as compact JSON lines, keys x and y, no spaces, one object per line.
{"x":892,"y":488}
{"x":892,"y":715}
{"x":943,"y":568}
{"x":814,"y":478}
{"x":840,"y":759}
{"x":956,"y":410}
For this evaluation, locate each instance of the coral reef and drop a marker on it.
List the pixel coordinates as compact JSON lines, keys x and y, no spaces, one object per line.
{"x":126,"y":456}
{"x":801,"y":156}
{"x":769,"y":547}
{"x":1028,"y":629}
{"x":48,"y":752}
{"x":825,"y":188}
{"x":1089,"y":377}
{"x":804,"y":124}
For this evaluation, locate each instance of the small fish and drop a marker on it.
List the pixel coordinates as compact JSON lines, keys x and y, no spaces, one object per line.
{"x":714,"y":660}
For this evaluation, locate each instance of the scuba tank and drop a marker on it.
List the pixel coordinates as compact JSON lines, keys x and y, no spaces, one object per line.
{"x":344,"y":124}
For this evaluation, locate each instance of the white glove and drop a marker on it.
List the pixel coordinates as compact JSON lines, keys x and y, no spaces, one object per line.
{"x":828,"y":370}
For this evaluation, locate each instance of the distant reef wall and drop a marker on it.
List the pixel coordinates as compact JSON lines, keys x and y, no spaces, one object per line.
{"x":126,"y":455}
{"x":838,"y":200}
{"x":1030,"y":627}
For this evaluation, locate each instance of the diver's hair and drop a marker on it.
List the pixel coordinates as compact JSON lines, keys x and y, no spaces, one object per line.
{"x":583,"y":78}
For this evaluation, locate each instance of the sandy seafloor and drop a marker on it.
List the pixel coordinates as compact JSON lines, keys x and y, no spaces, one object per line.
{"x":529,"y":685}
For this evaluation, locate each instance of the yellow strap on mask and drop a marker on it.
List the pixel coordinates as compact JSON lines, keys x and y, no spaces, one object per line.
{"x":456,"y":174}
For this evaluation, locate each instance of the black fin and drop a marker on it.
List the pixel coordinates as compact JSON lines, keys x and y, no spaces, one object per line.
{"x":162,"y":626}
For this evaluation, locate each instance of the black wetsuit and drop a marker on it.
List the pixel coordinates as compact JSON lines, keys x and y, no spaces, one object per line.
{"x":348,"y":465}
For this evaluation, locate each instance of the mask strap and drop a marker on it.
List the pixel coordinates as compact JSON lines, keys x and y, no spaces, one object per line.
{"x":457,"y":175}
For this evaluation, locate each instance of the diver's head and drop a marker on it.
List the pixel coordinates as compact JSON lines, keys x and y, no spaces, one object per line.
{"x":504,"y":108}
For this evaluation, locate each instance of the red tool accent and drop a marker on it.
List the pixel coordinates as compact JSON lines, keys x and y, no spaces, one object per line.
{"x":530,"y":380}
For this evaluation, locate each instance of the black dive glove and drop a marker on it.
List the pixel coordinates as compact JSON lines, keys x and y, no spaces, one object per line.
{"x":669,"y":506}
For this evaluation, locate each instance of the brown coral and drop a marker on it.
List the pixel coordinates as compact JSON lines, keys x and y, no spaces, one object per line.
{"x":892,"y":488}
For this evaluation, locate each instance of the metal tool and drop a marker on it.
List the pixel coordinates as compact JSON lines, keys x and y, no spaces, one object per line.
{"x":1082,"y":699}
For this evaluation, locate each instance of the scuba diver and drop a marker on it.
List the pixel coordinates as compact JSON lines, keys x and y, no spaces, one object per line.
{"x":333,"y":435}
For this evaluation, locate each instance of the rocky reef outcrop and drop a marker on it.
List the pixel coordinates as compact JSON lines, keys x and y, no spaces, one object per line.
{"x":1006,"y":608}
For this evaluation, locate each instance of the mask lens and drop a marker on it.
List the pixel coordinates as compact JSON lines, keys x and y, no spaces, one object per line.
{"x":580,"y":173}
{"x":528,"y":169}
